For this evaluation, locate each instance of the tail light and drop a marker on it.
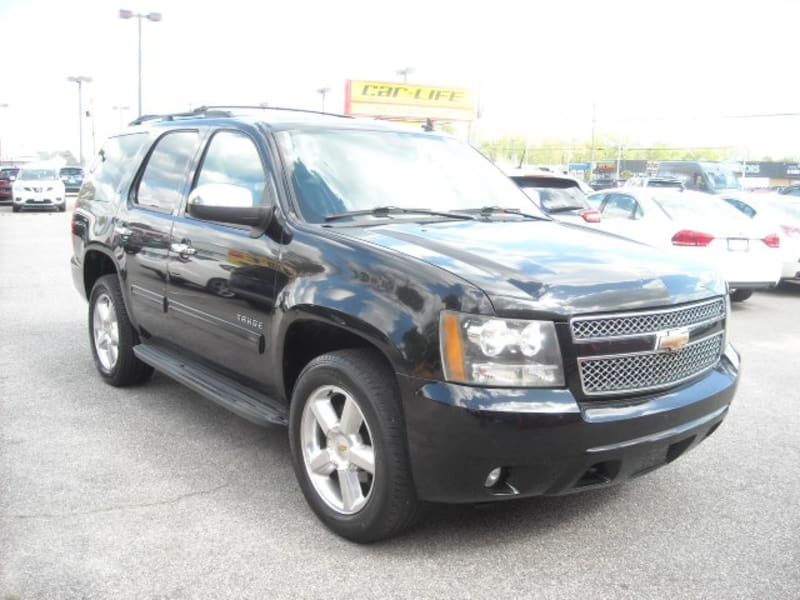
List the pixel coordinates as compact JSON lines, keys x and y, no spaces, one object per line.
{"x":687,"y":237}
{"x":591,"y":216}
{"x":772,"y":240}
{"x":791,"y":231}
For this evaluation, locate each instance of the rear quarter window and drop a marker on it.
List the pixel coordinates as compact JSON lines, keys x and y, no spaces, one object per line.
{"x":115,"y":166}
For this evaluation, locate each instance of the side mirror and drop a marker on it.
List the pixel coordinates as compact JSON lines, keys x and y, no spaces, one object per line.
{"x":229,"y":203}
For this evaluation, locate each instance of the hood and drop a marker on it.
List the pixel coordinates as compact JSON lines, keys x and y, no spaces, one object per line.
{"x":549,"y":268}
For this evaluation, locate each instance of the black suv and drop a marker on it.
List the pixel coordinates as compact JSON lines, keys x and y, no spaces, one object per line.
{"x":390,"y":295}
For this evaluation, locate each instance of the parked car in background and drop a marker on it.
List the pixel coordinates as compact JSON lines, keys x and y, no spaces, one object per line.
{"x":560,"y":196}
{"x":702,"y":176}
{"x":72,"y":178}
{"x":7,"y":177}
{"x":38,"y":188}
{"x":605,"y":184}
{"x":656,"y":182}
{"x":781,"y":213}
{"x":791,"y":190}
{"x":705,"y":227}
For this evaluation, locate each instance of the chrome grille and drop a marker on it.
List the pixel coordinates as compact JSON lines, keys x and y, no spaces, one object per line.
{"x":584,"y":328}
{"x":650,"y":370}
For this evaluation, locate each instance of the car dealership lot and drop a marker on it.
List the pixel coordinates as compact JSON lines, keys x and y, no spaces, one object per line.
{"x":152,"y":491}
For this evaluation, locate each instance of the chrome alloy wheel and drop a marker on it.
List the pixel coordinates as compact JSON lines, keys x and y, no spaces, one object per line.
{"x":105,"y":329}
{"x":337,"y":449}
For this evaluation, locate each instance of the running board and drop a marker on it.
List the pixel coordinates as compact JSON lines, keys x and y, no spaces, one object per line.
{"x":228,"y":393}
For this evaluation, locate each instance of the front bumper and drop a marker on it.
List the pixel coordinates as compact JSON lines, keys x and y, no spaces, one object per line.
{"x":548,"y":443}
{"x":38,"y":201}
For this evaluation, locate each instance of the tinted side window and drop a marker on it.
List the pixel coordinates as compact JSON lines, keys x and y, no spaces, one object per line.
{"x":161,"y":186}
{"x":232,"y":158}
{"x":115,"y":165}
{"x":620,"y":206}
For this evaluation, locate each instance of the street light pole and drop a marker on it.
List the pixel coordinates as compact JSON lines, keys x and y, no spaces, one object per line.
{"x":405,"y":72}
{"x":80,"y":79}
{"x":322,"y":91}
{"x":2,"y":105}
{"x":153,"y":16}
{"x":119,"y":108}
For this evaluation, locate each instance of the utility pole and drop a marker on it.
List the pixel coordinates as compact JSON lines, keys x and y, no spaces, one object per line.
{"x":594,"y":120}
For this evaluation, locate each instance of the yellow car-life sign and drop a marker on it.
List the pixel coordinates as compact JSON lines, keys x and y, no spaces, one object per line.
{"x":408,"y":101}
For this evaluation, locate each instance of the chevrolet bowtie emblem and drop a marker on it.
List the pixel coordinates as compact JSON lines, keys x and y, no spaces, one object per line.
{"x":672,"y":340}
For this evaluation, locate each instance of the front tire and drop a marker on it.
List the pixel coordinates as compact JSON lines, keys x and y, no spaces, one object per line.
{"x":348,"y":442}
{"x":740,"y":295}
{"x":112,"y":336}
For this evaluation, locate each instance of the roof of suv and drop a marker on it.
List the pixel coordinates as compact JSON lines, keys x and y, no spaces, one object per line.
{"x":275,"y":118}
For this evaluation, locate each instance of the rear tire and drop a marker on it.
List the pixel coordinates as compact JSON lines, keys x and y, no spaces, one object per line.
{"x":348,"y":442}
{"x":112,"y":336}
{"x":740,"y":295}
{"x":15,"y":208}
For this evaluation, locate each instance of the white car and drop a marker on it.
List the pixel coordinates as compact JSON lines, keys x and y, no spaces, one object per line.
{"x":37,"y":188}
{"x":745,"y":252}
{"x":780,"y":212}
{"x":560,"y":196}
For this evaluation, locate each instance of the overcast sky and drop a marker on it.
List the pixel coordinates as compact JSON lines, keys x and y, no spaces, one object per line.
{"x":657,"y":71}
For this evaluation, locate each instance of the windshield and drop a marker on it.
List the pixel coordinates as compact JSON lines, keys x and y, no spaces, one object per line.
{"x":336,"y":171}
{"x":37,"y":174}
{"x":721,"y":177}
{"x":72,"y":171}
{"x":556,"y":199}
{"x":687,"y":206}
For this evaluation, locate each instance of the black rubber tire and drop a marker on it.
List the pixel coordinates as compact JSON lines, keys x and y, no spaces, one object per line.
{"x":128,"y":369}
{"x":393,"y":505}
{"x":740,"y":295}
{"x":62,"y":208}
{"x":15,"y":208}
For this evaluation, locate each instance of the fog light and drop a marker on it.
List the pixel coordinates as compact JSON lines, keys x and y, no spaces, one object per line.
{"x":493,"y":477}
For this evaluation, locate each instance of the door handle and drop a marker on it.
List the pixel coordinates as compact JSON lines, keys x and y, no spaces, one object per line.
{"x":182,"y":249}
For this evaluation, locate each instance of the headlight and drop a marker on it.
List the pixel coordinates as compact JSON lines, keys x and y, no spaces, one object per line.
{"x":490,"y":351}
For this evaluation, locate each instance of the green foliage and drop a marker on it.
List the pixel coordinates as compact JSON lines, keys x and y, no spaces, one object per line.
{"x":514,"y":148}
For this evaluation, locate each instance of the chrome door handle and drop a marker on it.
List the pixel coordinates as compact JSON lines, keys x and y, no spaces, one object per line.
{"x":182,"y":249}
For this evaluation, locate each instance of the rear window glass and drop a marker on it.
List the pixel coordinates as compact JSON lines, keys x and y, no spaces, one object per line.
{"x":693,"y":206}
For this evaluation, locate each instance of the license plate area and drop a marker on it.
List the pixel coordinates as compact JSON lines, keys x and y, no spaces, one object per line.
{"x":738,"y":244}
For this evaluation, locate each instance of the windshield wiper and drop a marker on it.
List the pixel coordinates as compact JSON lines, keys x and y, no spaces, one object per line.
{"x":385,"y":211}
{"x":488,"y":211}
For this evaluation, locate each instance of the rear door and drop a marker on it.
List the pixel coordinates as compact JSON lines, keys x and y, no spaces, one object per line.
{"x":144,"y":228}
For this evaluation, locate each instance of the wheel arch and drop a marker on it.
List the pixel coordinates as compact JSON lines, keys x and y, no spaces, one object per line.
{"x":96,"y":263}
{"x":310,"y":334}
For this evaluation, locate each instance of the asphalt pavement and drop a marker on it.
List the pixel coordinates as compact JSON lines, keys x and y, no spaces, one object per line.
{"x":153,"y":492}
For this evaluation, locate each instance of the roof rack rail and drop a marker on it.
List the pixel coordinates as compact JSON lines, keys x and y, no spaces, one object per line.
{"x":225,"y":110}
{"x":261,"y":107}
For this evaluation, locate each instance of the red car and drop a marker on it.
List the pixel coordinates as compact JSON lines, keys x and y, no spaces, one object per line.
{"x":7,"y":177}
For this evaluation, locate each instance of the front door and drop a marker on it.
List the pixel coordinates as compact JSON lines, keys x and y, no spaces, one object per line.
{"x":221,"y":281}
